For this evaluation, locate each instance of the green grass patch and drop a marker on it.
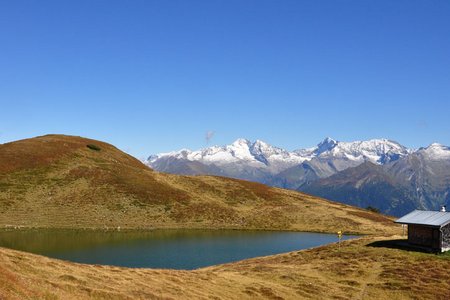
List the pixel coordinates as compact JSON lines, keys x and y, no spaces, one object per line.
{"x":93,"y":147}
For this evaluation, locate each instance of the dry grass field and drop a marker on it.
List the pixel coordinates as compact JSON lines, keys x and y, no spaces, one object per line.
{"x":367,"y":268}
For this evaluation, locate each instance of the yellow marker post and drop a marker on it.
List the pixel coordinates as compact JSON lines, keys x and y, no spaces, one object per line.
{"x":339,"y":233}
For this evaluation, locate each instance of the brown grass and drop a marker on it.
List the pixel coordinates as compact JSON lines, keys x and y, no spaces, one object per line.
{"x":373,"y":216}
{"x":358,"y":270}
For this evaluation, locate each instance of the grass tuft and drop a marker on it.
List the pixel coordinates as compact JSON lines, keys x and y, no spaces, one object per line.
{"x":93,"y":147}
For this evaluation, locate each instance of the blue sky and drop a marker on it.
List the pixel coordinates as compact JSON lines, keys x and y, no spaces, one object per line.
{"x":153,"y":76}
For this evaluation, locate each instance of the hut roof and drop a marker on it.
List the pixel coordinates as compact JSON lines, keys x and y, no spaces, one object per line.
{"x":426,"y":217}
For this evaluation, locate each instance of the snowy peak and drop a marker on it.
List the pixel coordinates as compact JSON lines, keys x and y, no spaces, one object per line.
{"x":258,"y":154}
{"x":326,"y":145}
{"x":240,"y":149}
{"x":436,"y":146}
{"x":261,"y":151}
{"x":262,"y":148}
{"x":378,"y":151}
{"x":265,"y":157}
{"x":181,"y":154}
{"x":435,"y":152}
{"x":241,"y":143}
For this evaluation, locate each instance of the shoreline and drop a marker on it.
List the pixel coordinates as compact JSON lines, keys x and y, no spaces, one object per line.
{"x":369,"y":265}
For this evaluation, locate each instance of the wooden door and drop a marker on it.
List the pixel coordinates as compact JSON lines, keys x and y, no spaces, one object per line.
{"x":436,"y":244}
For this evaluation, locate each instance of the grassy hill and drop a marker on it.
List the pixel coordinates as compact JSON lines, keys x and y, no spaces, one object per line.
{"x":74,"y":182}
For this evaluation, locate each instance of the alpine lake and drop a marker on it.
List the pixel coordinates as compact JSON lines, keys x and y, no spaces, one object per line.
{"x":168,"y":249}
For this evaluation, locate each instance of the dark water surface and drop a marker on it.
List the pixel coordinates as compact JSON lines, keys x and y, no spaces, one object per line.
{"x":174,"y":249}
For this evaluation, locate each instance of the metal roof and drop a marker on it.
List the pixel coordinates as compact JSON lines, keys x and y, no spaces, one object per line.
{"x":426,"y":217}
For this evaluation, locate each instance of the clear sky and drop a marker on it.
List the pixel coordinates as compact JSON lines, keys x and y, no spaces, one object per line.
{"x":153,"y":76}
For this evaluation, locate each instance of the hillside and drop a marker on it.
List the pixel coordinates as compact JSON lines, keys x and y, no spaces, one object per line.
{"x":67,"y":181}
{"x":367,"y":268}
{"x":366,"y":185}
{"x":419,"y":181}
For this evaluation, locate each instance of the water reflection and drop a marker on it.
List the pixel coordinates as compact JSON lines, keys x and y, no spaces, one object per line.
{"x":177,"y":249}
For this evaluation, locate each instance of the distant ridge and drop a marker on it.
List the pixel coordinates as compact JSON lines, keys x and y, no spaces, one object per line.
{"x":266,"y":159}
{"x":316,"y":170}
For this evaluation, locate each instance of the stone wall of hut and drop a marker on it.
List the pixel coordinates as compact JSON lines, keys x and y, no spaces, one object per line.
{"x":446,"y":237}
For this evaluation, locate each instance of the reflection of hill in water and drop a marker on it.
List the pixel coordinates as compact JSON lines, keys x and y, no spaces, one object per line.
{"x":47,"y":241}
{"x":176,"y":249}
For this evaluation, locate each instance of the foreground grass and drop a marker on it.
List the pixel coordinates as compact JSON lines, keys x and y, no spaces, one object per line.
{"x":367,"y":268}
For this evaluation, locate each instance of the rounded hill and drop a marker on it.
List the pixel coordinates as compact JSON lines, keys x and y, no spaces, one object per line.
{"x":74,"y":182}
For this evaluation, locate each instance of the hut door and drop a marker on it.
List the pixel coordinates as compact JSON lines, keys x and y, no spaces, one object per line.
{"x":436,"y":243}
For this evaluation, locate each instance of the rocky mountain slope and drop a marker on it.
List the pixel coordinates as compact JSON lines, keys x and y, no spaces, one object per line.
{"x":420,"y":180}
{"x":259,"y":161}
{"x":378,"y":173}
{"x":67,"y":181}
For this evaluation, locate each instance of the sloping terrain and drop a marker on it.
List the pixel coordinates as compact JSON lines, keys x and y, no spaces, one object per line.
{"x":419,"y":181}
{"x":367,"y":268}
{"x":366,"y":185}
{"x":73,"y":182}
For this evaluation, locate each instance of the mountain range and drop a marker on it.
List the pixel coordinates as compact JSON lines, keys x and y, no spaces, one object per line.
{"x":377,"y":173}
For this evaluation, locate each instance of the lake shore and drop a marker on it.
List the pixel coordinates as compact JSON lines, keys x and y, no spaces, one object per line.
{"x":182,"y":249}
{"x":366,"y":268}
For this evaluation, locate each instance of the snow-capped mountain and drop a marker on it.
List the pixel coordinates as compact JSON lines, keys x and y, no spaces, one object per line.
{"x":379,"y":172}
{"x":377,"y":151}
{"x":256,"y":154}
{"x":261,"y":157}
{"x":435,"y":152}
{"x":419,"y":180}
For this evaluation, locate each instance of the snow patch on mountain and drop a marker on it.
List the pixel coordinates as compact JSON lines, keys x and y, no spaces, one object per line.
{"x":379,"y":151}
{"x":257,"y":154}
{"x":435,"y":152}
{"x":261,"y":155}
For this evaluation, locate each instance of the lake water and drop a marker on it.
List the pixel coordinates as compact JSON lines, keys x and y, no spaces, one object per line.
{"x":174,"y":249}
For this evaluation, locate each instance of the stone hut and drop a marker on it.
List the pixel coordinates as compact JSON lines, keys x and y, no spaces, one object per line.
{"x":428,"y":229}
